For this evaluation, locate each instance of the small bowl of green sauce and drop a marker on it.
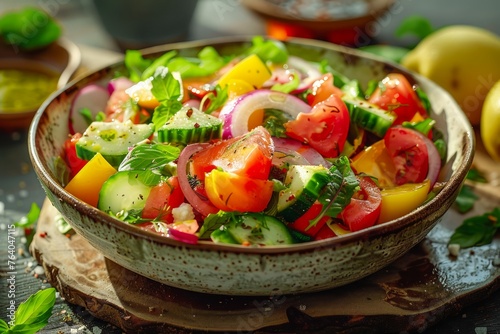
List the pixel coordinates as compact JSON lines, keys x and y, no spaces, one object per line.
{"x":28,"y":78}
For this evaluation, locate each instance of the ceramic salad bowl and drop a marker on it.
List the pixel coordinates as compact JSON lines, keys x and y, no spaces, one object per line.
{"x":236,"y":270}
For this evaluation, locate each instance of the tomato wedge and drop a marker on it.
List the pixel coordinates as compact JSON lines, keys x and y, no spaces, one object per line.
{"x":162,"y":199}
{"x":325,"y":128}
{"x":396,"y":94}
{"x":364,"y":209}
{"x":74,"y":163}
{"x":321,"y":89}
{"x":232,"y":192}
{"x":249,"y":155}
{"x":409,"y":154}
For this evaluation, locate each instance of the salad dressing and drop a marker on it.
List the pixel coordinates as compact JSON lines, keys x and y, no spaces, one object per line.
{"x":25,"y":89}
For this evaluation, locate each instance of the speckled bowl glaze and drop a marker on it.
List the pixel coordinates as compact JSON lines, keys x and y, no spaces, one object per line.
{"x":236,"y":270}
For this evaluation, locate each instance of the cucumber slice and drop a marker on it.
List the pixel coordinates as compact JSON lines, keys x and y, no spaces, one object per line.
{"x":189,"y":125}
{"x":222,"y":236}
{"x":111,"y":139}
{"x":304,"y":184}
{"x":123,"y":191}
{"x":259,"y":230}
{"x":369,"y":116}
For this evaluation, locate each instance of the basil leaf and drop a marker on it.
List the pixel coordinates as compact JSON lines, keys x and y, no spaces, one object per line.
{"x":35,"y":312}
{"x":149,"y":156}
{"x":478,"y":230}
{"x":167,"y":89}
{"x":213,"y":222}
{"x":3,"y":326}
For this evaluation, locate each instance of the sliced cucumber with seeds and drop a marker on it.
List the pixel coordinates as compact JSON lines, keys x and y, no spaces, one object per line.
{"x":369,"y":116}
{"x":112,"y":140}
{"x":259,"y":229}
{"x":189,"y":125}
{"x":304,"y":185}
{"x":123,"y":191}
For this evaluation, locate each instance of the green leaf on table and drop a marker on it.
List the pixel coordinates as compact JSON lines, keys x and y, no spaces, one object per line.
{"x":466,"y":199}
{"x":29,"y":29}
{"x":476,"y":176}
{"x":32,"y":314}
{"x":390,"y":52}
{"x":31,"y":218}
{"x":415,"y":25}
{"x":477,"y":230}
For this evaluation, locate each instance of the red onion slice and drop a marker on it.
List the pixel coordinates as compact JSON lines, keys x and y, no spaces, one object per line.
{"x":311,"y":72}
{"x":291,"y":151}
{"x":120,"y":83}
{"x":204,"y":207}
{"x":236,"y":113}
{"x":434,"y":159}
{"x":185,"y":237}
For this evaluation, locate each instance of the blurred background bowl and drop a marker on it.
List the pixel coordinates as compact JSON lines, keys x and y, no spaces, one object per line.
{"x":57,"y":63}
{"x":337,"y":21}
{"x":139,"y":24}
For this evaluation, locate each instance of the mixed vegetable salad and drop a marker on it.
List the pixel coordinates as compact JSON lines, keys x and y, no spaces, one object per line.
{"x":256,"y":149}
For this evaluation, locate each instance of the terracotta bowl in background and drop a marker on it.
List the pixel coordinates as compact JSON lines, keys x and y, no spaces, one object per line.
{"x":238,"y":270}
{"x":60,"y":59}
{"x":343,"y":22}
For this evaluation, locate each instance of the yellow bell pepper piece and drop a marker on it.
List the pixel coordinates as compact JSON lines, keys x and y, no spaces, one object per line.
{"x":401,"y":200}
{"x":88,"y":182}
{"x":251,"y":69}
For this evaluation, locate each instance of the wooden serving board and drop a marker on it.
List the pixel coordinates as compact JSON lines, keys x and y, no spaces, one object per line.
{"x":415,"y":292}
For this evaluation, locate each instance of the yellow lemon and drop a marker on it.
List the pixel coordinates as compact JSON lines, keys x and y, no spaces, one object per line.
{"x":490,"y":122}
{"x":464,"y":60}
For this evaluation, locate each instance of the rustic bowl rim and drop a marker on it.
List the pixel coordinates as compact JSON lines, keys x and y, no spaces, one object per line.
{"x":451,"y":186}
